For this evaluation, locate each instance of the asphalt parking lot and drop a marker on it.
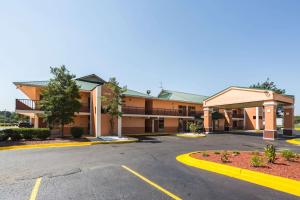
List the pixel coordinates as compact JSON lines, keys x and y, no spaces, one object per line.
{"x":99,"y":172}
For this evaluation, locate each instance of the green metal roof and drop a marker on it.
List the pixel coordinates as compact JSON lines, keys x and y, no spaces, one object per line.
{"x":134,"y":93}
{"x":82,"y":84}
{"x":181,"y":96}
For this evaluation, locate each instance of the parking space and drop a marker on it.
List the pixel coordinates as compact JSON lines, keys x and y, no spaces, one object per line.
{"x":96,"y":172}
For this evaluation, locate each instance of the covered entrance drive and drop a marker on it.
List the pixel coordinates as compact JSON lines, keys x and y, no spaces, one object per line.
{"x":267,"y":101}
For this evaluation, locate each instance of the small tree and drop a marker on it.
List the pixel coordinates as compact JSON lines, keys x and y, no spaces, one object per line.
{"x":112,"y":100}
{"x":60,"y":99}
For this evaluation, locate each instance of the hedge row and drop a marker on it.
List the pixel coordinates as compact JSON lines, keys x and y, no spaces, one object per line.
{"x":16,"y":134}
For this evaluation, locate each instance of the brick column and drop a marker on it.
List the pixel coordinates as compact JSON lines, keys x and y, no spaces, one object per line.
{"x":288,"y":120}
{"x":207,"y":120}
{"x":270,"y":132}
{"x":228,"y":120}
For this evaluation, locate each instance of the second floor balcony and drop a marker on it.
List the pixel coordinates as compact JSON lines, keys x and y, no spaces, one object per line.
{"x":159,"y":111}
{"x":28,"y":104}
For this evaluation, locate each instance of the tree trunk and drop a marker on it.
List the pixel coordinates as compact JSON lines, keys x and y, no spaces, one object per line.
{"x":62,"y":130}
{"x":111,"y":125}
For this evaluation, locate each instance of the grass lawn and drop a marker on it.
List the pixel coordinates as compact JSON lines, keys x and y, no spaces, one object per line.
{"x":297,"y":127}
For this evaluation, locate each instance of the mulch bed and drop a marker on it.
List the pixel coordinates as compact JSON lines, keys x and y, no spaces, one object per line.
{"x":48,"y":141}
{"x":281,"y":167}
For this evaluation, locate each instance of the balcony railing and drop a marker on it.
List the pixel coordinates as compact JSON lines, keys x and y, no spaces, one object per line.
{"x":234,"y":115}
{"x":28,"y":104}
{"x":158,"y":111}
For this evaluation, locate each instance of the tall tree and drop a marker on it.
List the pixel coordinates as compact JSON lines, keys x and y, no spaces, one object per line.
{"x":60,"y":99}
{"x":268,"y":85}
{"x":112,"y":100}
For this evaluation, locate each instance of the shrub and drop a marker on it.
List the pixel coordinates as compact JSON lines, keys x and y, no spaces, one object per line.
{"x":288,"y":155}
{"x":43,"y":134}
{"x":3,"y":136}
{"x":193,"y":127}
{"x":15,"y":136}
{"x":204,"y":154}
{"x":217,"y":153}
{"x":256,"y":161}
{"x":236,"y":153}
{"x":77,"y":132}
{"x":28,"y":133}
{"x":225,"y":157}
{"x":270,"y":153}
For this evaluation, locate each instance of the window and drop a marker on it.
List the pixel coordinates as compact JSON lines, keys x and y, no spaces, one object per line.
{"x":182,"y":110}
{"x":161,"y":123}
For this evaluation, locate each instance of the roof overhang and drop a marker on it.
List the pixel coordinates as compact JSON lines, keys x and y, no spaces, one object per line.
{"x":237,"y":97}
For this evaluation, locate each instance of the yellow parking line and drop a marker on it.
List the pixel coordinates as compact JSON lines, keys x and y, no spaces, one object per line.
{"x":152,"y":183}
{"x":35,"y":189}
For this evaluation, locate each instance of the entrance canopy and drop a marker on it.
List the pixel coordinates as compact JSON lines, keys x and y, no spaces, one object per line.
{"x":239,"y":97}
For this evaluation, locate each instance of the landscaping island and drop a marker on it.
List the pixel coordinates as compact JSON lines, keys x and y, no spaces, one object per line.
{"x":281,"y":167}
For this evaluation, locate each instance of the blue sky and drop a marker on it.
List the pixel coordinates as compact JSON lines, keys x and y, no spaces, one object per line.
{"x":192,"y":46}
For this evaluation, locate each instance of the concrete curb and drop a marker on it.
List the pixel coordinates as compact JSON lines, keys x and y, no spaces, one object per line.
{"x":190,"y":136}
{"x":274,"y":182}
{"x":293,"y":141}
{"x":65,"y":144}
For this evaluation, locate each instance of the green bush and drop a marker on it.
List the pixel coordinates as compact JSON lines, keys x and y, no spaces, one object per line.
{"x":43,"y":134}
{"x":16,"y":134}
{"x":3,"y":136}
{"x":288,"y":155}
{"x":236,"y":153}
{"x":270,"y":153}
{"x":225,"y":157}
{"x":217,"y":153}
{"x":257,"y":161}
{"x":204,"y":154}
{"x":77,"y":132}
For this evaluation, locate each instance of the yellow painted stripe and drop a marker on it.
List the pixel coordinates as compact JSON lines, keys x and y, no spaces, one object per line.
{"x":64,"y":144}
{"x":152,"y":183}
{"x":293,"y":141}
{"x":274,"y":182}
{"x":35,"y":189}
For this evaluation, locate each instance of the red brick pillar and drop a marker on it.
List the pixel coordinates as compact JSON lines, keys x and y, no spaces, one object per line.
{"x":207,"y":120}
{"x":228,"y":120}
{"x":270,"y":132}
{"x":288,"y":120}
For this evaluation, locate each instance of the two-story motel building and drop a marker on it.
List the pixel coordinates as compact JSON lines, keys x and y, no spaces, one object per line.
{"x":238,"y":108}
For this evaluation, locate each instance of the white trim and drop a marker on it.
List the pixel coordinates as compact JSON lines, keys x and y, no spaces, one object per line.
{"x":82,"y":113}
{"x":158,"y":116}
{"x":29,"y":111}
{"x":270,"y":103}
{"x":207,"y":109}
{"x":270,"y":130}
{"x":98,"y":111}
{"x":268,"y":138}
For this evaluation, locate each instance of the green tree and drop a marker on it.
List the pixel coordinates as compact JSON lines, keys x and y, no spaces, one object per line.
{"x":60,"y":99}
{"x":112,"y":100}
{"x":268,"y":85}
